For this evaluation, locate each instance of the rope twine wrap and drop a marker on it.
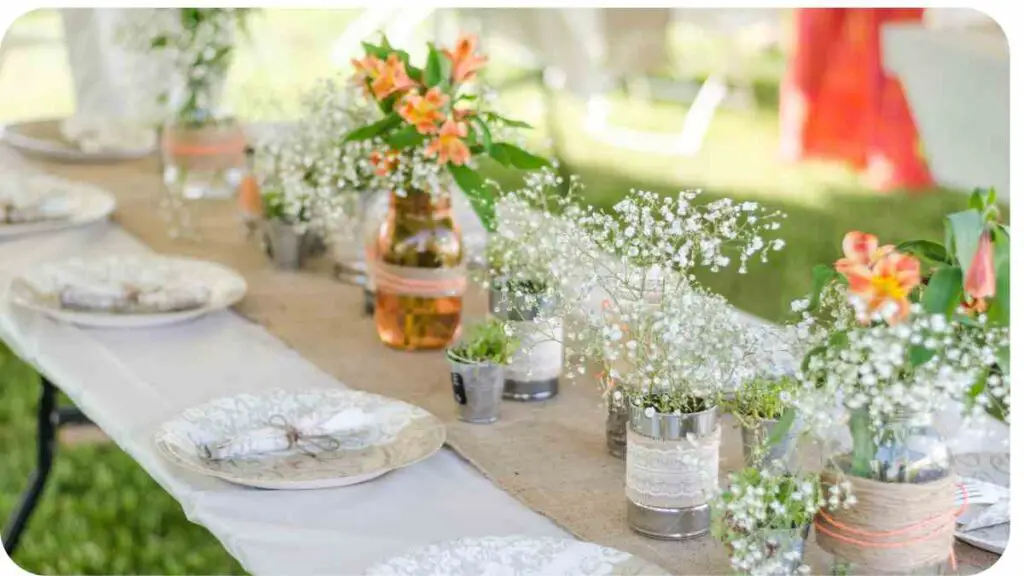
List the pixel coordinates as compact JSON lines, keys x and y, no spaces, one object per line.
{"x":894,"y":528}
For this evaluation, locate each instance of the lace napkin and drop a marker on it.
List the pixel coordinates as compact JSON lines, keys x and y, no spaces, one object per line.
{"x":94,"y":134}
{"x":33,"y":198}
{"x":350,"y":429}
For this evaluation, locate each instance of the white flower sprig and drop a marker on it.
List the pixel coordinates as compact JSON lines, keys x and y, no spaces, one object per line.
{"x":892,"y":372}
{"x":317,"y":178}
{"x":757,"y":509}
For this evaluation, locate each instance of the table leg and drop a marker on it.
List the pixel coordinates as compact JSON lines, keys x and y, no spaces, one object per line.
{"x":50,"y":416}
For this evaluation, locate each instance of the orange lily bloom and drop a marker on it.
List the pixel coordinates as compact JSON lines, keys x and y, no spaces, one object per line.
{"x":391,"y":77}
{"x":464,"y":62}
{"x":367,"y":68}
{"x":860,"y":249}
{"x":885,"y":286}
{"x":423,"y":112}
{"x":980,"y":282}
{"x":448,"y":146}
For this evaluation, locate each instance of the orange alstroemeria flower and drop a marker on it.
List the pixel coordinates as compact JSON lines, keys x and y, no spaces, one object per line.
{"x":860,"y":249}
{"x":423,"y":112}
{"x":885,"y":285}
{"x":980,"y":282}
{"x":464,"y":62}
{"x":384,"y":163}
{"x":448,"y":146}
{"x":366,"y":69}
{"x":391,"y":77}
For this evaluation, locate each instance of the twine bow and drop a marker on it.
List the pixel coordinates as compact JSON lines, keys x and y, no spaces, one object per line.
{"x":308,"y":444}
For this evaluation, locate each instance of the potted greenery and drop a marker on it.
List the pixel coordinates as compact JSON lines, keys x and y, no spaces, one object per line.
{"x":758,"y":405}
{"x":478,"y":362}
{"x":763,"y":517}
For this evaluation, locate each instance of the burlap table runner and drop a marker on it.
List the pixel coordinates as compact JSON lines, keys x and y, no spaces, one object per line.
{"x":551,"y":456}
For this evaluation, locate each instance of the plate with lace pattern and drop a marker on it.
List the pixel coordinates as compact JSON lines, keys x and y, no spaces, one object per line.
{"x":397,"y":435}
{"x":515,"y":556}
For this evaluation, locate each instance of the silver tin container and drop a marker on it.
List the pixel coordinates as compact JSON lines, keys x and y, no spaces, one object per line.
{"x":477,"y":390}
{"x":782,"y":542}
{"x":670,"y":523}
{"x":286,"y":247}
{"x":516,"y":308}
{"x":756,"y":436}
{"x":615,"y":428}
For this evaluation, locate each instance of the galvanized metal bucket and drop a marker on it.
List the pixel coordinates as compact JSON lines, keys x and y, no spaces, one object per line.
{"x":477,"y":389}
{"x":756,"y":436}
{"x":285,"y":246}
{"x":668,"y":436}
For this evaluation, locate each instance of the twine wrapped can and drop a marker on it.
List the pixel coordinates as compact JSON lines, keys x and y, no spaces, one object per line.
{"x":671,"y":471}
{"x":754,"y":437}
{"x":477,"y":389}
{"x":534,"y":370}
{"x":904,"y":518}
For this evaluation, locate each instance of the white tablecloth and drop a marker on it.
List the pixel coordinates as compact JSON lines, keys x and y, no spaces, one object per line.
{"x":130,"y":381}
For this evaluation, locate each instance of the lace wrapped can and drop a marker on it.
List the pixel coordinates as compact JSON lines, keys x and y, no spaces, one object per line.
{"x":671,"y":471}
{"x":477,"y":389}
{"x":534,"y":370}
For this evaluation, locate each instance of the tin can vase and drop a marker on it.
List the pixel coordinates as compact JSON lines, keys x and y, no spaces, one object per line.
{"x":418,"y":272}
{"x":616,"y":425}
{"x":477,"y":388}
{"x":286,"y":247}
{"x":671,"y":472}
{"x":756,"y":454}
{"x":787,"y":545}
{"x":534,"y":370}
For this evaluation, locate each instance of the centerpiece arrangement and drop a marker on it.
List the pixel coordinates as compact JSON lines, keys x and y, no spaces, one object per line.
{"x":203,"y":148}
{"x":758,"y":405}
{"x":431,"y":127}
{"x":895,"y":333}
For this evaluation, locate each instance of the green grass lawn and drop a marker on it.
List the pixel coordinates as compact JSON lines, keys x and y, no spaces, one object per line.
{"x":103,"y":514}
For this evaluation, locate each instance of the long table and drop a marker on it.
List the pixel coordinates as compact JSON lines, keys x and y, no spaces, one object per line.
{"x":130,"y":381}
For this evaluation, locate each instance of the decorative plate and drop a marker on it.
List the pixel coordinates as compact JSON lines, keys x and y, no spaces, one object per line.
{"x":35,"y":290}
{"x":995,"y":469}
{"x":514,"y":556}
{"x":87,"y":204}
{"x":405,"y":436}
{"x":43,"y":138}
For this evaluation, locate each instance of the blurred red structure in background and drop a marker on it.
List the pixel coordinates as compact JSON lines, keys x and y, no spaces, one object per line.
{"x":838,"y":103}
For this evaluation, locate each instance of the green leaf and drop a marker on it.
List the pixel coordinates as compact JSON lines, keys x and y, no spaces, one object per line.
{"x":376,"y":51}
{"x":432,"y":73}
{"x":821,"y":276}
{"x":371,"y":130}
{"x":993,"y":197}
{"x":520,"y":158}
{"x":976,"y":202}
{"x":924,"y":249}
{"x":472,"y":184}
{"x":1003,"y":359}
{"x":414,"y":73}
{"x":863,"y":444}
{"x":158,"y":42}
{"x":482,"y":131}
{"x":966,"y":228}
{"x":500,"y":156}
{"x":919,"y":355}
{"x":944,"y":291}
{"x":811,"y":354}
{"x":405,"y":137}
{"x":491,"y":116}
{"x":781,"y":428}
{"x":999,"y":306}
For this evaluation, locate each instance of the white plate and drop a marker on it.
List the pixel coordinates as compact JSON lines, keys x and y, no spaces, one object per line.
{"x":518,"y":555}
{"x":993,"y":468}
{"x":42,"y":138}
{"x":226,"y":287}
{"x":410,"y":435}
{"x":91,"y":204}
